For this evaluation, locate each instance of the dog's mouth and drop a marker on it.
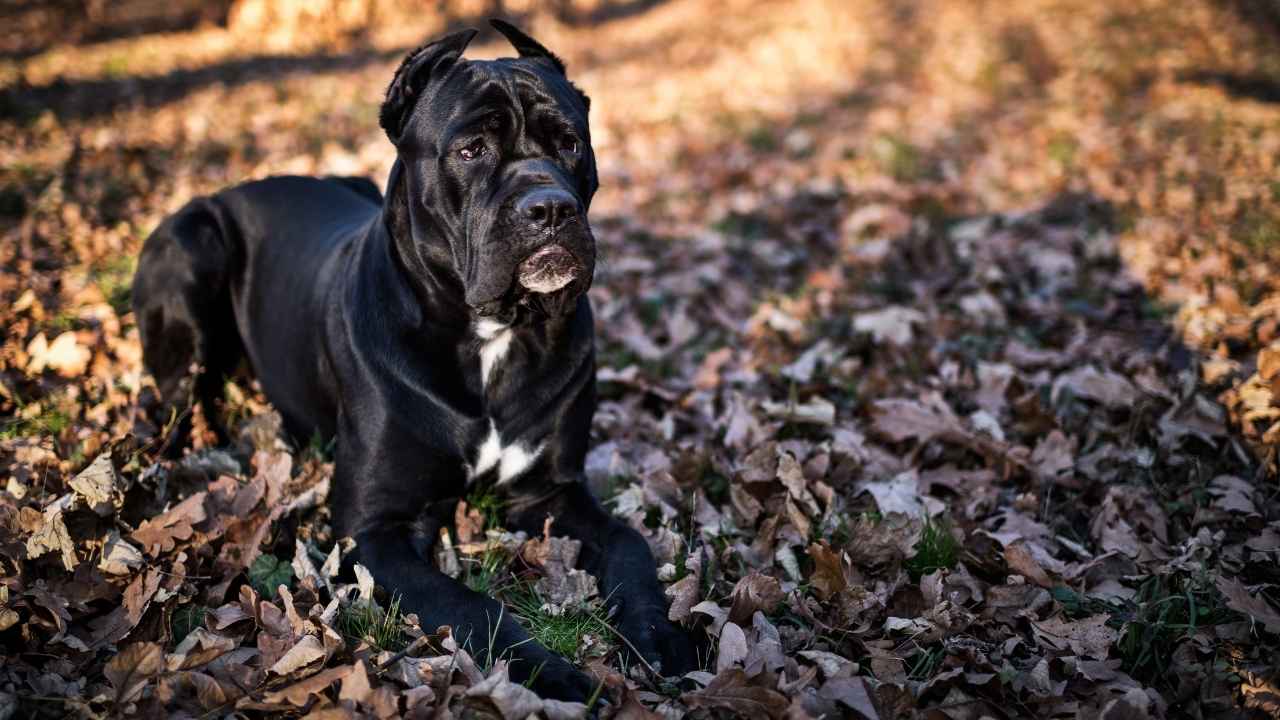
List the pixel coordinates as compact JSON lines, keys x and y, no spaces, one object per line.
{"x":547,"y":283}
{"x":548,"y":270}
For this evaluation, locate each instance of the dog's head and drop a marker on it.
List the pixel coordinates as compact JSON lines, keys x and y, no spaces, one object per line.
{"x":496,"y":174}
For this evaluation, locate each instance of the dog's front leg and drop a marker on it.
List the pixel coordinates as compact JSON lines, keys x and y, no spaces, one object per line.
{"x":620,"y":559}
{"x":395,"y":556}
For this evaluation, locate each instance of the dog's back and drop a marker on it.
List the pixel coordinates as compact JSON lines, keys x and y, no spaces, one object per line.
{"x":191,"y":292}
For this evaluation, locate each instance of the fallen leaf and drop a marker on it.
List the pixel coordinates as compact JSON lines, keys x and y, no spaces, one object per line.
{"x":892,"y":325}
{"x":733,"y":648}
{"x":1253,"y":604}
{"x":303,"y":653}
{"x":513,"y":701}
{"x":1088,"y":637}
{"x":160,"y":534}
{"x":730,"y":690}
{"x":132,"y":668}
{"x":52,"y":535}
{"x":923,"y":420}
{"x":828,"y":578}
{"x":200,"y":646}
{"x":852,"y":693}
{"x":64,"y":355}
{"x":300,"y":693}
{"x":118,"y":556}
{"x":755,"y":592}
{"x":97,"y":484}
{"x":683,"y":595}
{"x":1102,"y":386}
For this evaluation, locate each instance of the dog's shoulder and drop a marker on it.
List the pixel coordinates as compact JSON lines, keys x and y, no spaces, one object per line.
{"x":291,"y":189}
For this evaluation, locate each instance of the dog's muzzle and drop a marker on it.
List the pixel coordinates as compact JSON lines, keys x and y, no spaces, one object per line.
{"x":548,"y":270}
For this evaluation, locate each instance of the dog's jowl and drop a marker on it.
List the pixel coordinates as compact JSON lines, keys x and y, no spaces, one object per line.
{"x":442,"y":335}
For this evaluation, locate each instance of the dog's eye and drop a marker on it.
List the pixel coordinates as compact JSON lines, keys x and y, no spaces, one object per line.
{"x":473,"y":150}
{"x":569,"y":146}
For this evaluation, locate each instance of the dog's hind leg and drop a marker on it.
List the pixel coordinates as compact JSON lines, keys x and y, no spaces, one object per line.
{"x":182,"y":303}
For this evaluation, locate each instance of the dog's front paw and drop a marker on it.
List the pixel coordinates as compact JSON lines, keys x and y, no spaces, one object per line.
{"x":667,"y":647}
{"x":558,"y":680}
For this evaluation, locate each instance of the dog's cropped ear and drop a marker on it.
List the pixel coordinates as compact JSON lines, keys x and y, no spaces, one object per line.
{"x":525,"y":45}
{"x":413,"y":74}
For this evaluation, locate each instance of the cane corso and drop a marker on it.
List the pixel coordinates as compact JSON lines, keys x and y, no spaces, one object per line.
{"x":442,"y":336}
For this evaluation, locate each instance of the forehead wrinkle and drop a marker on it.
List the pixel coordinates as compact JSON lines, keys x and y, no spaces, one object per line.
{"x":537,"y":90}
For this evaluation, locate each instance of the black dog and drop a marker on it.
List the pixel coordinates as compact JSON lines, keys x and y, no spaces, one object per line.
{"x":444,"y":337}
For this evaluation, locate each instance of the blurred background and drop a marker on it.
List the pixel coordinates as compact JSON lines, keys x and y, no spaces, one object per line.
{"x":704,"y":113}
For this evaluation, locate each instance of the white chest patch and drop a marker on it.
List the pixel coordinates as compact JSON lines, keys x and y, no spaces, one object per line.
{"x":510,"y":460}
{"x":495,"y":341}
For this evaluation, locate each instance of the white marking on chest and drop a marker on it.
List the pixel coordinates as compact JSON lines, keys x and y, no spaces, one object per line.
{"x":495,"y":341}
{"x":510,"y":460}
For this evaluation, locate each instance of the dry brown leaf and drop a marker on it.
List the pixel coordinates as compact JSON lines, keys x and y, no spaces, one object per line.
{"x":64,"y":355}
{"x":852,"y":692}
{"x":1054,"y":455}
{"x":199,"y":647}
{"x":732,"y":649}
{"x":731,"y":690}
{"x":1269,"y":362}
{"x":303,"y":653}
{"x":132,"y":668}
{"x":98,"y":485}
{"x":1253,"y":604}
{"x":51,"y":534}
{"x":1102,"y":386}
{"x":892,"y":325}
{"x":1089,"y":637}
{"x":300,"y":693}
{"x":828,"y":578}
{"x":513,"y":701}
{"x":683,"y":595}
{"x":926,"y":419}
{"x":160,"y":534}
{"x":1023,"y":563}
{"x":755,"y":592}
{"x":118,"y":556}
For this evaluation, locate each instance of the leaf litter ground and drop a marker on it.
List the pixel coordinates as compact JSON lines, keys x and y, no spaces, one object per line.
{"x":938,"y":367}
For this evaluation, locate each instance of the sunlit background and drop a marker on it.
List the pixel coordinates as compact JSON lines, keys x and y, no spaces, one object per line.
{"x":1165,"y":110}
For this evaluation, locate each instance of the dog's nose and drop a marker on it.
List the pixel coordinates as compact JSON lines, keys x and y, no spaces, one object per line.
{"x":547,"y":208}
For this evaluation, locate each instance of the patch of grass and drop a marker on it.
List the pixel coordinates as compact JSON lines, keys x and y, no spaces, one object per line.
{"x":185,"y":619}
{"x":925,"y":663}
{"x":562,"y":634}
{"x":368,"y":623}
{"x":491,"y":506}
{"x":320,"y":449}
{"x":1062,"y":150}
{"x":899,"y":158}
{"x":48,"y":423}
{"x":1166,"y":610}
{"x":1153,"y":309}
{"x":936,"y":549}
{"x":761,"y":140}
{"x":114,"y":278}
{"x":1080,"y":606}
{"x":1259,"y":232}
{"x":116,"y":66}
{"x":486,"y":574}
{"x":716,"y":486}
{"x":749,"y":226}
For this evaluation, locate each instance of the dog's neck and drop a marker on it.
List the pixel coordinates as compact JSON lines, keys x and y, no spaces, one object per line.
{"x":425,"y":267}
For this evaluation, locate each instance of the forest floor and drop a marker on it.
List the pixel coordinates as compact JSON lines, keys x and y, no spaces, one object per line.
{"x":939,"y":349}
